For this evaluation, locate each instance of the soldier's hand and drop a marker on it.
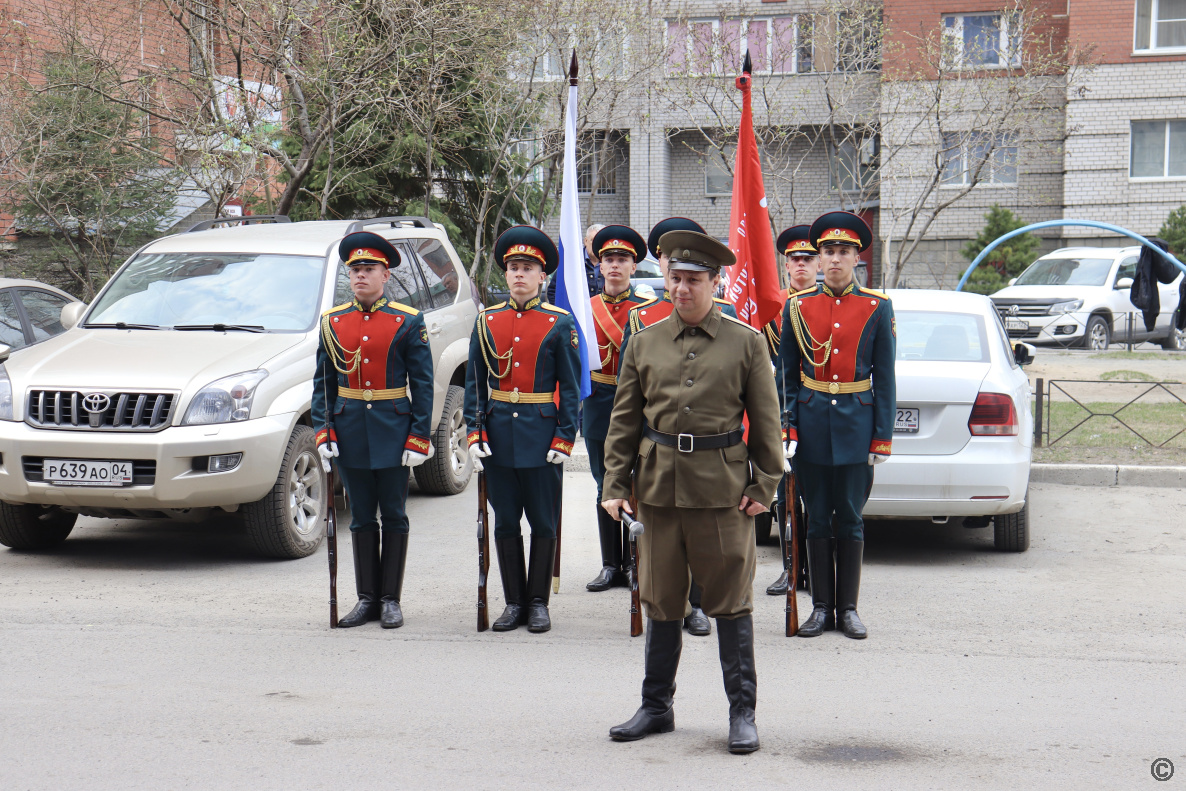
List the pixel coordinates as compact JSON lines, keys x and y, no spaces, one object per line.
{"x":876,"y":458}
{"x":788,"y":449}
{"x":556,"y":457}
{"x":327,"y":451}
{"x":477,"y":452}
{"x":751,"y":507}
{"x":414,"y":458}
{"x":613,"y":507}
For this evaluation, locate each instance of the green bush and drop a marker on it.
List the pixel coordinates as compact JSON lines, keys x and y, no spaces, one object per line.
{"x":1006,"y":260}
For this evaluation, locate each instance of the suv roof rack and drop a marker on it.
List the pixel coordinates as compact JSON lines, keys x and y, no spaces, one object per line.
{"x":415,"y":222}
{"x":206,"y":225}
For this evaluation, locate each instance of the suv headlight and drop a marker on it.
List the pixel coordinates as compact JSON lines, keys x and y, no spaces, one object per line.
{"x":226,"y":400}
{"x":5,"y":394}
{"x":1066,"y":307}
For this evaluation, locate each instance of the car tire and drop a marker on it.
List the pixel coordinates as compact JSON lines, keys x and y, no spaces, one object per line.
{"x":763,"y":526}
{"x":34,"y":527}
{"x":449,"y":469}
{"x":1097,"y":336}
{"x":1175,"y":340}
{"x":1011,"y":532}
{"x":289,"y":521}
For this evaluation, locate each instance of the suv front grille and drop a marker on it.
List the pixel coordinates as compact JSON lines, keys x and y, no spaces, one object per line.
{"x":1025,"y":310}
{"x":143,"y":470}
{"x":93,"y":410}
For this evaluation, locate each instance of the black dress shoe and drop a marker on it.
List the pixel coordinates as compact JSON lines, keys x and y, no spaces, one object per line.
{"x":743,"y":733}
{"x":512,"y":616}
{"x":821,"y":620}
{"x":603,"y":581}
{"x":643,"y":723}
{"x":851,"y":626}
{"x":609,"y":532}
{"x":363,"y":612}
{"x":538,"y":619}
{"x":698,"y":624}
{"x":391,"y":617}
{"x":779,"y":586}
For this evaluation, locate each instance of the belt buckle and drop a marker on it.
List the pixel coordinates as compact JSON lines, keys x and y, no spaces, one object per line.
{"x":679,"y":443}
{"x":367,"y":395}
{"x":833,"y":387}
{"x":513,"y":397}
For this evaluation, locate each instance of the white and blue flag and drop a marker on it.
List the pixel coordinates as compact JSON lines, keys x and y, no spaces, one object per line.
{"x":572,"y":286}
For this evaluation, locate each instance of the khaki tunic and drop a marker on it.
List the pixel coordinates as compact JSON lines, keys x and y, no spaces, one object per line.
{"x":695,"y":380}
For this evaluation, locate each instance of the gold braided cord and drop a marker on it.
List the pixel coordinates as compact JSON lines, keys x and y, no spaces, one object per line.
{"x":344,"y":360}
{"x":609,"y":353}
{"x":804,"y":339}
{"x":772,"y":337}
{"x":487,"y":347}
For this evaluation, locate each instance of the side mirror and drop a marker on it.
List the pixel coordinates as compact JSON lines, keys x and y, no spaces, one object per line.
{"x":72,"y":313}
{"x":1012,"y":280}
{"x":1023,"y":353}
{"x":1123,"y":284}
{"x":5,"y":350}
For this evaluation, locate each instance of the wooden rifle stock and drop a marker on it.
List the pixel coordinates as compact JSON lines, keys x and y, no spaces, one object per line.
{"x":636,"y":529}
{"x":483,"y":547}
{"x":790,"y":555}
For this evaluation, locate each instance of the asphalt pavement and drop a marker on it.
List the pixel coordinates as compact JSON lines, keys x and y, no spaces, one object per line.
{"x":156,"y":655}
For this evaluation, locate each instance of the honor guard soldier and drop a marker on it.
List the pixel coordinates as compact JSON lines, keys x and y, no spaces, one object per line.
{"x":646,"y":314}
{"x":380,"y":394}
{"x":837,"y":356}
{"x":619,"y":249}
{"x":802,"y":263}
{"x":522,"y":389}
{"x":683,"y":388}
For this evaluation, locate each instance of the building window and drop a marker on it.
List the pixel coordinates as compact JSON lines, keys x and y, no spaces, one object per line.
{"x":598,"y":160}
{"x":718,"y":177}
{"x":777,"y":45}
{"x":1161,"y":24}
{"x":982,"y":40}
{"x":1158,"y":150}
{"x":854,"y":164}
{"x":979,"y":158}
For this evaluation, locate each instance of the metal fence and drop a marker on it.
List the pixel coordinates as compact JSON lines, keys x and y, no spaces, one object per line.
{"x":1119,"y":410}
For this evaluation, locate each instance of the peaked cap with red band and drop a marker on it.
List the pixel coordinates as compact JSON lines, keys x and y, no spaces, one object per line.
{"x":365,"y":247}
{"x":841,"y":227}
{"x":795,"y":240}
{"x":670,"y":224}
{"x":619,"y":239}
{"x":526,"y":241}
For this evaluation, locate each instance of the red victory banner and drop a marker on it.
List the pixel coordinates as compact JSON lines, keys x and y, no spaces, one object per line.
{"x":752,"y":285}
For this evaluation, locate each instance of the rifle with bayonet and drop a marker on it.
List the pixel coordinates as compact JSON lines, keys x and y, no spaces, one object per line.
{"x":331,"y":520}
{"x":483,"y":541}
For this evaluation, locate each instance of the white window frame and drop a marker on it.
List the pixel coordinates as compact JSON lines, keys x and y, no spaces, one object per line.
{"x":965,"y":158}
{"x":1009,"y":47}
{"x":717,"y":67}
{"x":1165,"y":154}
{"x":1154,"y":15}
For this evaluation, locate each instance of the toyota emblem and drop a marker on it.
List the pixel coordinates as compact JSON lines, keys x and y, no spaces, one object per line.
{"x":96,"y":405}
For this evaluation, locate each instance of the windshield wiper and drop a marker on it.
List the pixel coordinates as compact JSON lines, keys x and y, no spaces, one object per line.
{"x":222,"y":327}
{"x":123,"y":325}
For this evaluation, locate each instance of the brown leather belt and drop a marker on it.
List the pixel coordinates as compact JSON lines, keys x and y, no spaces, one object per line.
{"x":515,"y":397}
{"x":605,"y":379}
{"x":686,"y":443}
{"x":836,"y":387}
{"x":373,"y":395}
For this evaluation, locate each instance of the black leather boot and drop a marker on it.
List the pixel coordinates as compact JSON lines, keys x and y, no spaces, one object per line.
{"x":366,"y":579}
{"x":514,"y":583}
{"x":736,"y":638}
{"x":539,"y":583}
{"x":779,"y":586}
{"x":610,"y":534}
{"x":823,"y":589}
{"x":395,"y":556}
{"x":849,"y":555}
{"x":665,"y":641}
{"x":697,"y":622}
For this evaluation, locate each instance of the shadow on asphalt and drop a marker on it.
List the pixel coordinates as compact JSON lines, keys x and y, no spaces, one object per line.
{"x":923,"y":543}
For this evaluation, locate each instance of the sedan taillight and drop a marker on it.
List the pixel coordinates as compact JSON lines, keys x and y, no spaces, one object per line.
{"x":993,"y":415}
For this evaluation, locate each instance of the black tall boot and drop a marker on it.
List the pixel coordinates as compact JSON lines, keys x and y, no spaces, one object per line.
{"x":395,"y":557}
{"x":697,"y":622}
{"x":366,"y":579}
{"x":539,"y":583}
{"x":665,"y":641}
{"x":823,"y":589}
{"x":736,"y":638}
{"x":849,"y":555}
{"x":514,"y":583}
{"x":779,"y":586}
{"x":610,"y":533}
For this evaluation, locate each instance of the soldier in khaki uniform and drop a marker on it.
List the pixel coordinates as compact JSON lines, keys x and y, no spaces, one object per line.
{"x":683,"y":386}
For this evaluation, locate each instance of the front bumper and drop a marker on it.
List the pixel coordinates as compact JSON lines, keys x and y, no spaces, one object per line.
{"x":988,"y":477}
{"x":176,"y":484}
{"x":1061,"y":329}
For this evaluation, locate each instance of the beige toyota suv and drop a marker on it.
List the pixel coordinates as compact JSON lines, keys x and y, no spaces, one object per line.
{"x":186,"y":385}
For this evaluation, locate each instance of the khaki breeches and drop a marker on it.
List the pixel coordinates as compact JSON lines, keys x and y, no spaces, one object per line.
{"x":714,"y":545}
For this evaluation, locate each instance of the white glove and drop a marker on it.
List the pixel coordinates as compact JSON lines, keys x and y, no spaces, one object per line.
{"x":414,"y":458}
{"x":327,"y":450}
{"x":477,"y":452}
{"x":876,"y":458}
{"x":788,"y":449}
{"x":556,"y":457}
{"x":787,"y":467}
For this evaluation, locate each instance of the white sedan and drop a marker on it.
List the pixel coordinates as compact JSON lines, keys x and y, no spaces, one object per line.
{"x":964,"y":427}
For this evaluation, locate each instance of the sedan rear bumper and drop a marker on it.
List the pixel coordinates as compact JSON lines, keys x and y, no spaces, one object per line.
{"x":989,"y":476}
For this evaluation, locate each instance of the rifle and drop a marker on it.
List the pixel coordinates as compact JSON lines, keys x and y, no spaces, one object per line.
{"x":790,"y":557}
{"x":483,"y":543}
{"x":636,"y":529}
{"x":559,"y":521}
{"x":331,"y":524}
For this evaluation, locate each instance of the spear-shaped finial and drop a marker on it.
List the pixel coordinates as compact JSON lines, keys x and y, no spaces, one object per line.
{"x":748,"y":66}
{"x":572,"y":69}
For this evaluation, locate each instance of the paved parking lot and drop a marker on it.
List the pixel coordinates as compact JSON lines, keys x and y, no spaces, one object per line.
{"x":158,"y":655}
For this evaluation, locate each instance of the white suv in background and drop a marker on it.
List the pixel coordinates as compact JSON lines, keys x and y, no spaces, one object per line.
{"x":1079,"y":296}
{"x":186,"y":385}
